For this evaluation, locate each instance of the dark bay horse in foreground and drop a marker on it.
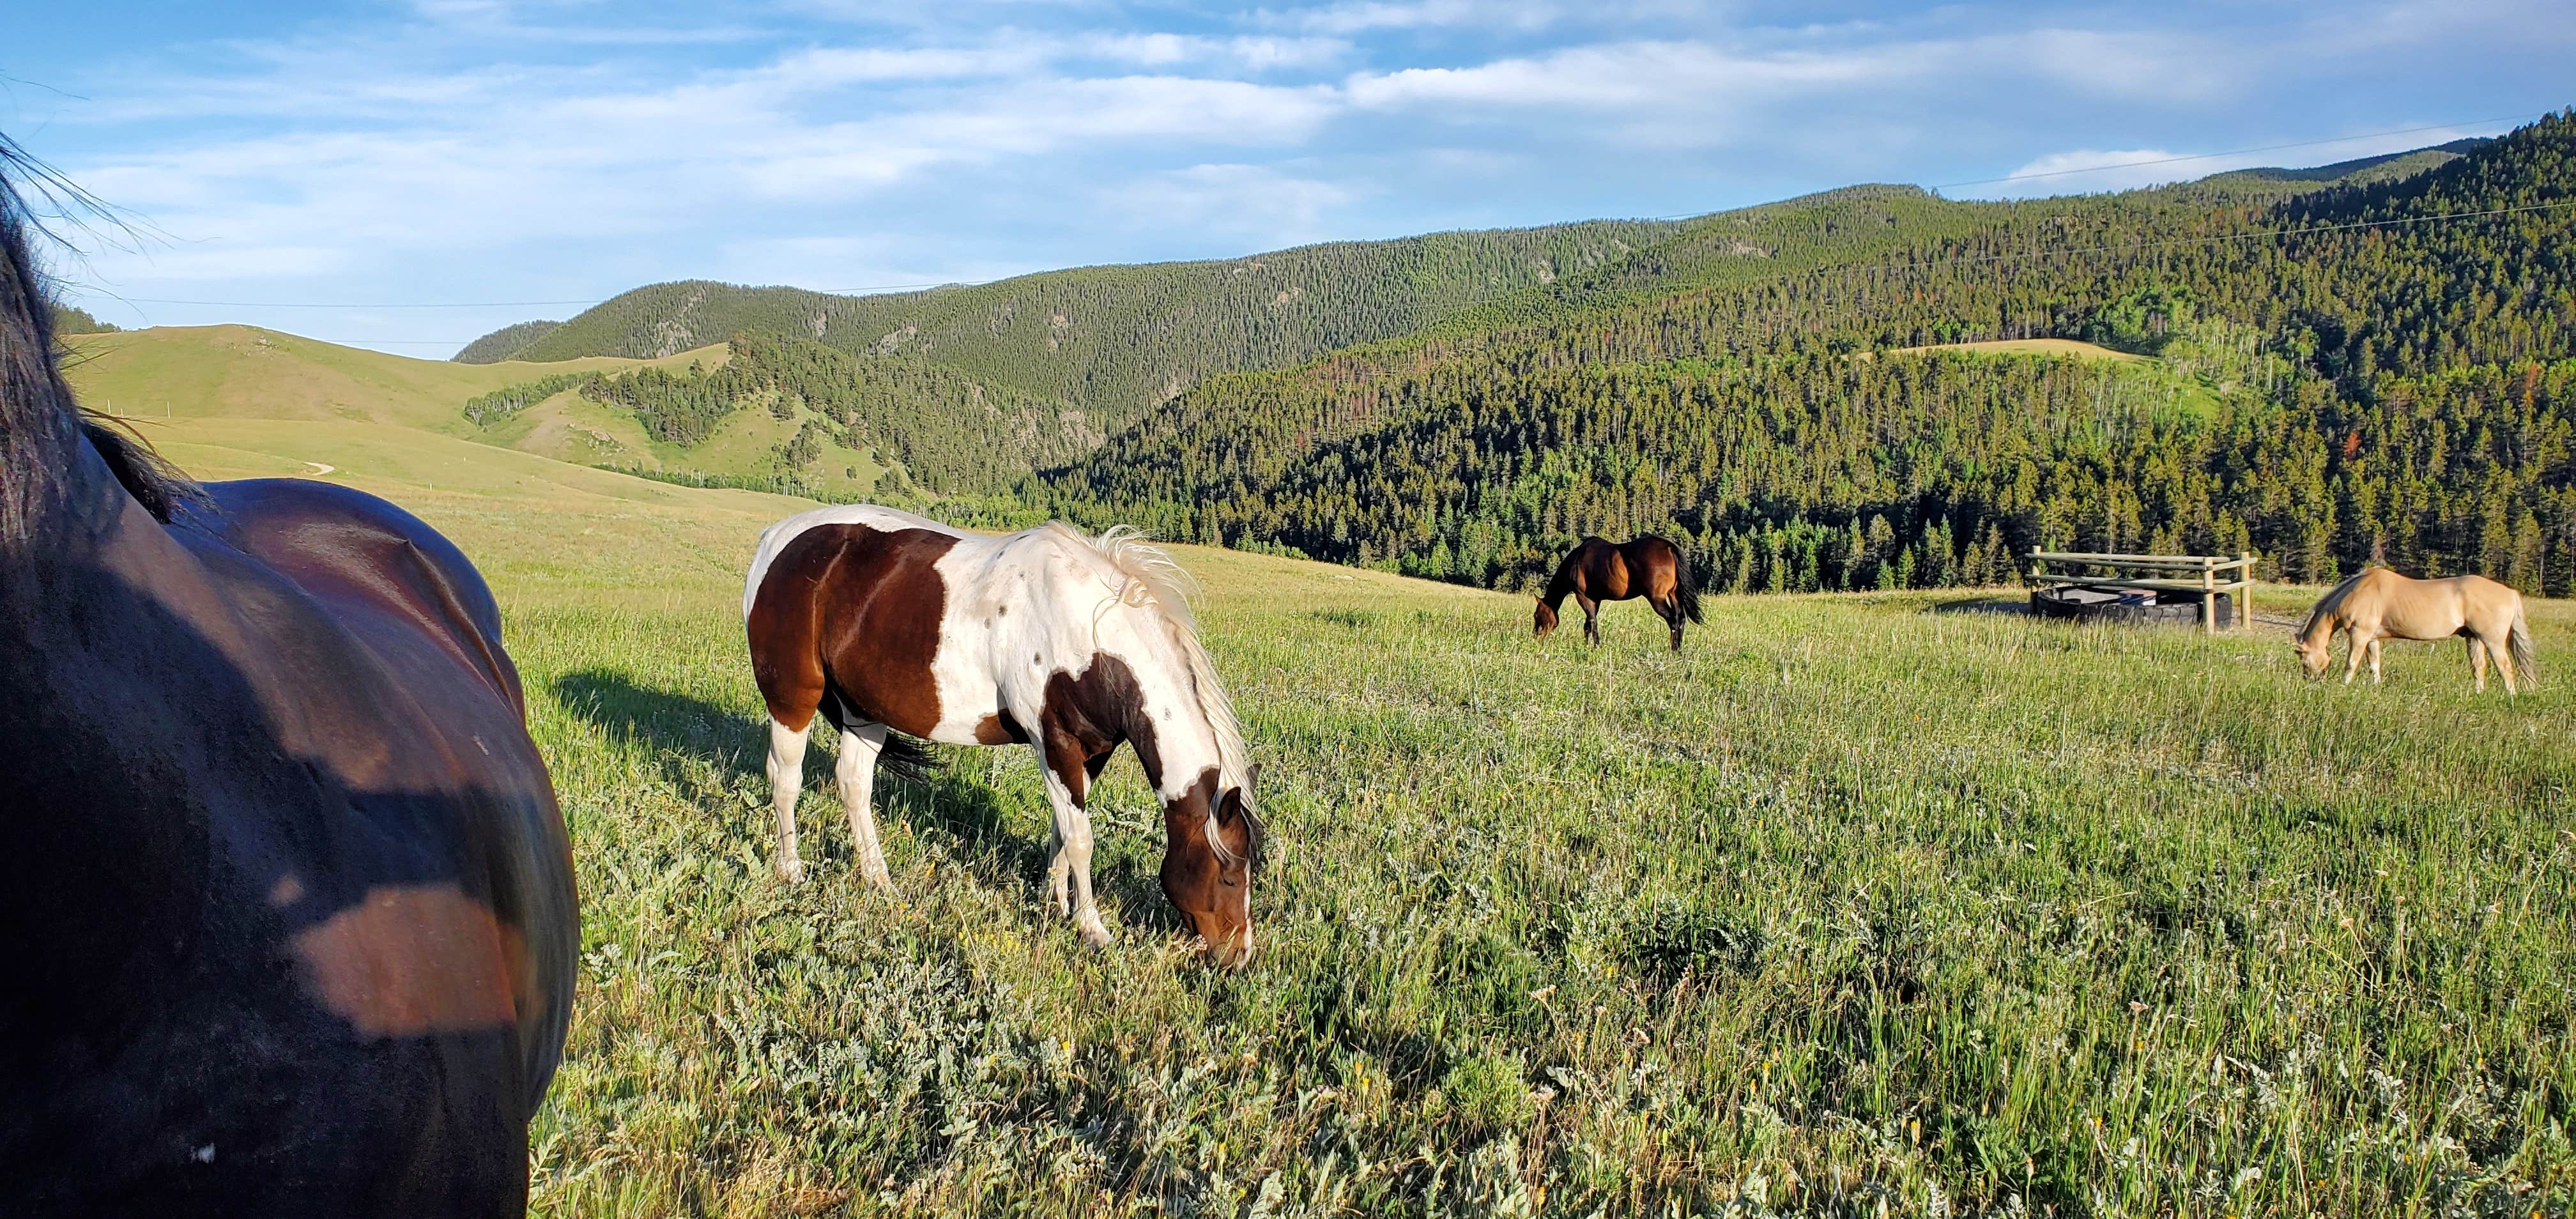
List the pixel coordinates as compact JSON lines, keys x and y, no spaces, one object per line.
{"x":886,"y":623}
{"x":288,"y":906}
{"x":2379,"y":604}
{"x":1597,"y":571}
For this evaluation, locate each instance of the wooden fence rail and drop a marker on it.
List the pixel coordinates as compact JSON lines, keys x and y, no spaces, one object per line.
{"x":2208,"y":575}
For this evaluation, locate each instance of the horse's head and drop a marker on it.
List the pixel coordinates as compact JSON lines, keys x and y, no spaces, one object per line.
{"x":2313,"y":656}
{"x":1208,"y":867}
{"x":1546,"y":618}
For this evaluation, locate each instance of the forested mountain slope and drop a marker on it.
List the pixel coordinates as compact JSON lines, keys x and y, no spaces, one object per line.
{"x":2373,"y":369}
{"x":1114,"y":340}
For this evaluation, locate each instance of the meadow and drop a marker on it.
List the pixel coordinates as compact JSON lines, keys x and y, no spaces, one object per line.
{"x":1863,"y":904}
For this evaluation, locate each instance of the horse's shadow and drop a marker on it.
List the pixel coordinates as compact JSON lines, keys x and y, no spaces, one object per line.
{"x":710,"y":754}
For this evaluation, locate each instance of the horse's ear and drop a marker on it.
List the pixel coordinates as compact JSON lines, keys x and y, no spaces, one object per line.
{"x":1252,"y":775}
{"x":1232,"y":808}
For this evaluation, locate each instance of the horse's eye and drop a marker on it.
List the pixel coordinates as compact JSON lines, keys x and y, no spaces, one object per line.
{"x":1230,"y":882}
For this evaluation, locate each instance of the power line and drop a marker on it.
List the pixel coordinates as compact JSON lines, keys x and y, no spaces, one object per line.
{"x":163,"y":300}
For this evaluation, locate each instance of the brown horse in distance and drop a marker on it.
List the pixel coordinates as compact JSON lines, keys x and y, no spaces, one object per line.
{"x":289,"y":905}
{"x":1597,"y":571}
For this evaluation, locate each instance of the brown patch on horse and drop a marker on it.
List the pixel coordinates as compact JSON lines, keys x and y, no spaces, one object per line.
{"x":999,"y":729}
{"x":853,"y":610}
{"x":414,"y":959}
{"x":1087,"y":714}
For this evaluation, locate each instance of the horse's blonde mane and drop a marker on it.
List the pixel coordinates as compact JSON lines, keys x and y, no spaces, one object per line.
{"x":1151,"y":578}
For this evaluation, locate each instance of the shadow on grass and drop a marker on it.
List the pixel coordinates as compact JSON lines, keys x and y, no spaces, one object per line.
{"x":711,"y":754}
{"x":1984,"y":603}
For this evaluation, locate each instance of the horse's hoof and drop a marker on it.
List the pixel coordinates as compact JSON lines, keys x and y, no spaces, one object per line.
{"x":1096,"y":935}
{"x":792,"y":871}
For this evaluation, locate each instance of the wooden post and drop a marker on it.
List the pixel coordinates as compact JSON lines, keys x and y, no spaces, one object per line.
{"x":2208,"y":600}
{"x":2245,"y":595}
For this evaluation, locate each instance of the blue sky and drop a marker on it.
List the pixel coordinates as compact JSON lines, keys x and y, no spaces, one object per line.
{"x":458,"y":152}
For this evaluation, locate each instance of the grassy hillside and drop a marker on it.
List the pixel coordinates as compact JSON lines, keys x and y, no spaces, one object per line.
{"x":167,"y":374}
{"x":244,"y":372}
{"x":1862,"y":901}
{"x":1114,"y":340}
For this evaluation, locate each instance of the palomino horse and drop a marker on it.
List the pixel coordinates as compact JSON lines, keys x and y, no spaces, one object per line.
{"x":888,"y":623}
{"x":289,"y":906}
{"x":1597,"y":571}
{"x":2380,"y":604}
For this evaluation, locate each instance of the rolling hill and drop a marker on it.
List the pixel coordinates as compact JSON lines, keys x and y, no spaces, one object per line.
{"x":1113,"y":340}
{"x":2378,"y":368}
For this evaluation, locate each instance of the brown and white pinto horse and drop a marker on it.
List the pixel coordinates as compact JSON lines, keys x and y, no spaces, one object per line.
{"x":885,"y":623}
{"x":288,"y":905}
{"x":1596,"y":571}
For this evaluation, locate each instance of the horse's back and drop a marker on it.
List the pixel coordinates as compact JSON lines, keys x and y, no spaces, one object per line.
{"x":778,"y":537}
{"x":340,"y":981}
{"x":364,"y":557}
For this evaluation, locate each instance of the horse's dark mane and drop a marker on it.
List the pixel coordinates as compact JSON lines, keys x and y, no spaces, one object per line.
{"x":39,"y":424}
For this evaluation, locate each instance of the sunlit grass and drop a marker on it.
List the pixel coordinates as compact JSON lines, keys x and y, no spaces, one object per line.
{"x":1860,"y":899}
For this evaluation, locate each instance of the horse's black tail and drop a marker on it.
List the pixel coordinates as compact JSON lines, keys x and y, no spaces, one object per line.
{"x":1685,"y":585}
{"x":909,"y":758}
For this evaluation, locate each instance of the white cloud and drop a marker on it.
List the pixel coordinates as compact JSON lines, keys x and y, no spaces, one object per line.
{"x":2088,"y":171}
{"x":451,"y":145}
{"x":1363,"y":16}
{"x":1257,"y":203}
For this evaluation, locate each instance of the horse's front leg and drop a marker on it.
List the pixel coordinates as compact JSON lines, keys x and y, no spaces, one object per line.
{"x":2354,"y":647}
{"x":786,"y":779}
{"x":2478,"y":662}
{"x":1591,"y":618}
{"x":1069,"y":872}
{"x":2374,"y":662}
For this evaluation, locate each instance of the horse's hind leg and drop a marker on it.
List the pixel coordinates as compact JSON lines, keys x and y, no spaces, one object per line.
{"x":857,"y":771}
{"x":786,"y":779}
{"x":2503,"y":652}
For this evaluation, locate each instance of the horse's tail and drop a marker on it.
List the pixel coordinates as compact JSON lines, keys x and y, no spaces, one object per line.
{"x":1685,"y":586}
{"x":907,"y":758}
{"x":2526,"y":667}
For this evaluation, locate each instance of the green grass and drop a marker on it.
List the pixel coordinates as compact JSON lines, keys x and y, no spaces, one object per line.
{"x":1861,"y":902}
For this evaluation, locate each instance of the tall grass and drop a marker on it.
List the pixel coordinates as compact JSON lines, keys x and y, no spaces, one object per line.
{"x":1858,"y":906}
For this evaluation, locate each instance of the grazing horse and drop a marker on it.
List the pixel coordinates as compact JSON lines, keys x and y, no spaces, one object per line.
{"x":2379,"y":604}
{"x":1597,"y":571}
{"x":289,"y":908}
{"x":888,"y":624}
